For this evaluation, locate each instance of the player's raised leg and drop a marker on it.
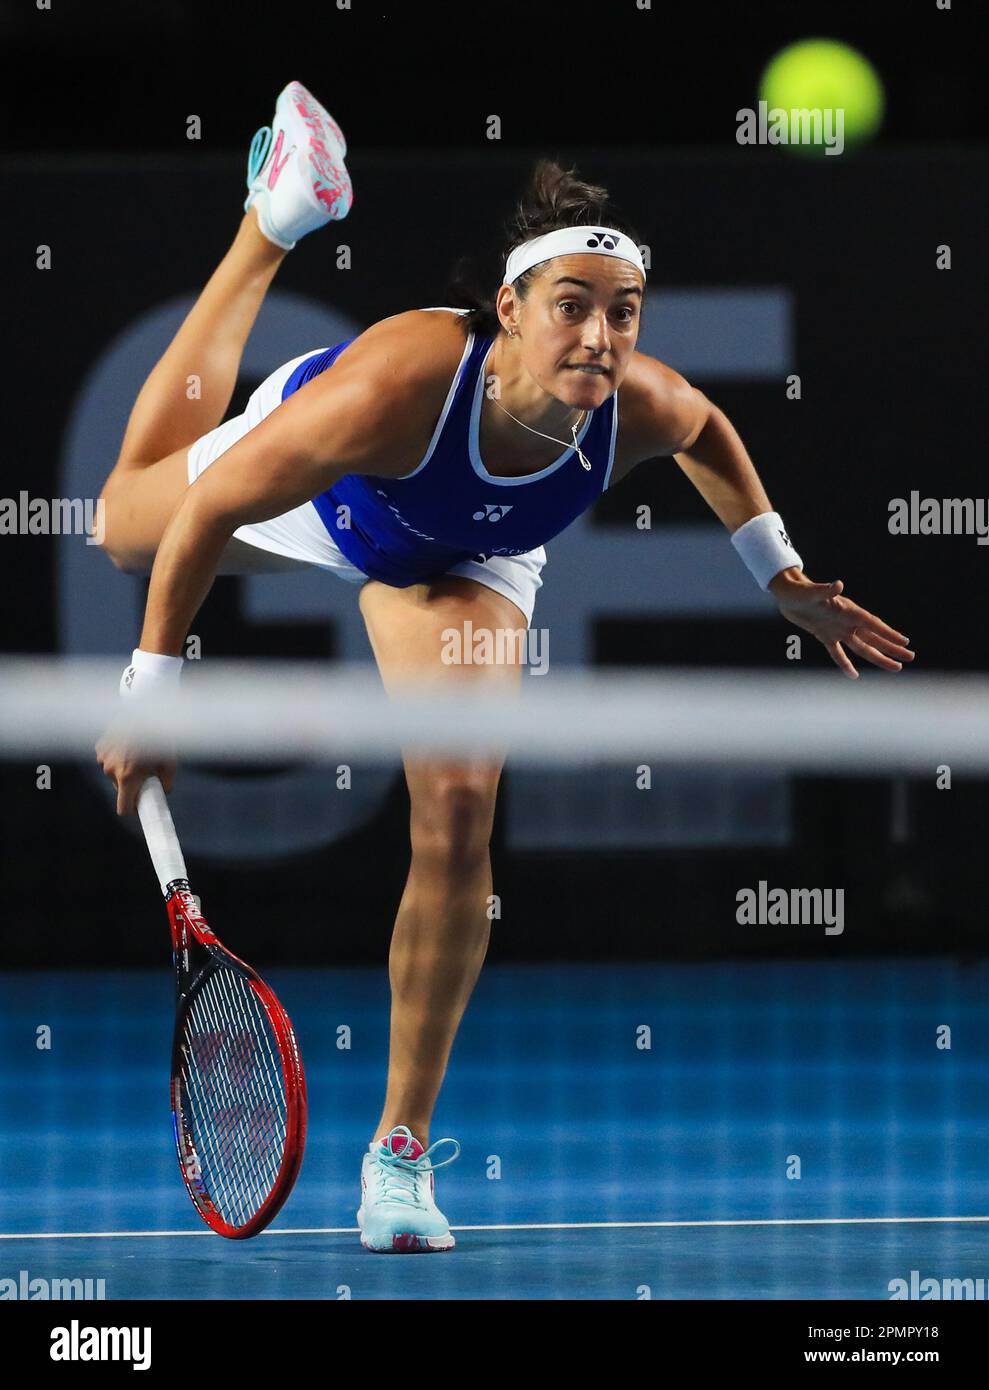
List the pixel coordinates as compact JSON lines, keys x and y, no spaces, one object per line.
{"x":297,"y":181}
{"x":442,"y":928}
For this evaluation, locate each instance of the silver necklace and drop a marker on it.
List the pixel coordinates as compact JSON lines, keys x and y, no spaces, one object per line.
{"x":573,"y":429}
{"x":575,"y":445}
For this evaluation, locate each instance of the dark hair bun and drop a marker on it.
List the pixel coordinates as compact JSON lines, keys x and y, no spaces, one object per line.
{"x":555,"y":197}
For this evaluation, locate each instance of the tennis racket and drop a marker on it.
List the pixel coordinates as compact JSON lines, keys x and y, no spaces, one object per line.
{"x":238,"y":1087}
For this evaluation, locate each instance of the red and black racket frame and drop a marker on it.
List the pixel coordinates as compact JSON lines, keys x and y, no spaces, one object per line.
{"x":197,"y":953}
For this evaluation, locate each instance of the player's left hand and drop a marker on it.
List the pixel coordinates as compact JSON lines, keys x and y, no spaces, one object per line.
{"x":821,"y":610}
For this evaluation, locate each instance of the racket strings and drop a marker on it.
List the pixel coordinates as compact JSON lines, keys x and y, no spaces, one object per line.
{"x":235,"y":1095}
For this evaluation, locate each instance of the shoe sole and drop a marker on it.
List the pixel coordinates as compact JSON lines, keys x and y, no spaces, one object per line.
{"x":324,"y":147}
{"x":409,"y":1244}
{"x":309,"y":104}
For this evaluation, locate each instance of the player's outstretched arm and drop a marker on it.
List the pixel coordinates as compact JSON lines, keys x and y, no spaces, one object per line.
{"x":710,"y":452}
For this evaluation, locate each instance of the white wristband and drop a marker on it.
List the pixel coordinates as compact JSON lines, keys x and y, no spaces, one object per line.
{"x":151,"y":671}
{"x":765,"y":547}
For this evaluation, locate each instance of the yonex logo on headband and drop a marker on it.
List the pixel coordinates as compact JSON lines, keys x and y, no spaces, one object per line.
{"x":600,"y":241}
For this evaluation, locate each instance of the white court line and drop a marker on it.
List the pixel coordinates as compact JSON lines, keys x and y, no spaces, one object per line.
{"x":523,"y":1226}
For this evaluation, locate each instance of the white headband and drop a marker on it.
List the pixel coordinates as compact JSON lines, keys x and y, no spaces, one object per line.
{"x":568,"y":241}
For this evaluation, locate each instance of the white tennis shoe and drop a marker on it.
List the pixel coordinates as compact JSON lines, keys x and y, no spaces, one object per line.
{"x":296,"y":178}
{"x":398,"y":1212}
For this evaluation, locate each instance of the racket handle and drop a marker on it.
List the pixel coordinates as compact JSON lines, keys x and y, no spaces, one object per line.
{"x":159,"y":832}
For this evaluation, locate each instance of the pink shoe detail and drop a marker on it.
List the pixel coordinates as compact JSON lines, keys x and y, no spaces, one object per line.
{"x":398,"y":1142}
{"x":330,"y":185}
{"x":276,"y":165}
{"x":307,"y":108}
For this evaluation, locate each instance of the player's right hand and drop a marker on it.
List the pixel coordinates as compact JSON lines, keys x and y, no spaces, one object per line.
{"x":129,"y":770}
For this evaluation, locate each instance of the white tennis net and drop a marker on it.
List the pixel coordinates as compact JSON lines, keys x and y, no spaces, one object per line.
{"x":272,"y":710}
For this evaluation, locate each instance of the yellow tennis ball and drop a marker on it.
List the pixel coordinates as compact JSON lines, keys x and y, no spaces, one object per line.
{"x":823,"y":74}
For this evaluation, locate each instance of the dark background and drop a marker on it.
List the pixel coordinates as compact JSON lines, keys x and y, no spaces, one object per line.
{"x":890,"y":351}
{"x":109,"y":76}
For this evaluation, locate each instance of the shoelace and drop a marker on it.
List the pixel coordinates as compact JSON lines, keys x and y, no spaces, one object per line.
{"x":258,"y":153}
{"x":398,"y":1182}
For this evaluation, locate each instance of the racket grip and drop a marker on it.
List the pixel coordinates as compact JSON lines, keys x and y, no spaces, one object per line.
{"x":159,"y":832}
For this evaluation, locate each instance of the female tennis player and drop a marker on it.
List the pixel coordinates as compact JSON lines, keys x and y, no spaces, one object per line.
{"x":428,"y":460}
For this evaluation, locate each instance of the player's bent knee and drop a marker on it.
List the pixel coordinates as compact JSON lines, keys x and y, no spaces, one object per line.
{"x":108,"y":543}
{"x":114,"y":541}
{"x":452,"y":817}
{"x":127,"y":561}
{"x":113,"y":553}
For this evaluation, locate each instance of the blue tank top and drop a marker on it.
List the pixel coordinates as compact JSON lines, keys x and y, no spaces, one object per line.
{"x":450,"y":509}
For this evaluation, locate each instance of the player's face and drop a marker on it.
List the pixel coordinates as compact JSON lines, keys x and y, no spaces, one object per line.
{"x":579,"y":326}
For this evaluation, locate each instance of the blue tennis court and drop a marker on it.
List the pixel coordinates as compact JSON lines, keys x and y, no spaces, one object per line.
{"x":600,"y":1160}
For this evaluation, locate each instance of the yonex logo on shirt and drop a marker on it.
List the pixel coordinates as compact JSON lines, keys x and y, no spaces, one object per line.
{"x":493,"y":511}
